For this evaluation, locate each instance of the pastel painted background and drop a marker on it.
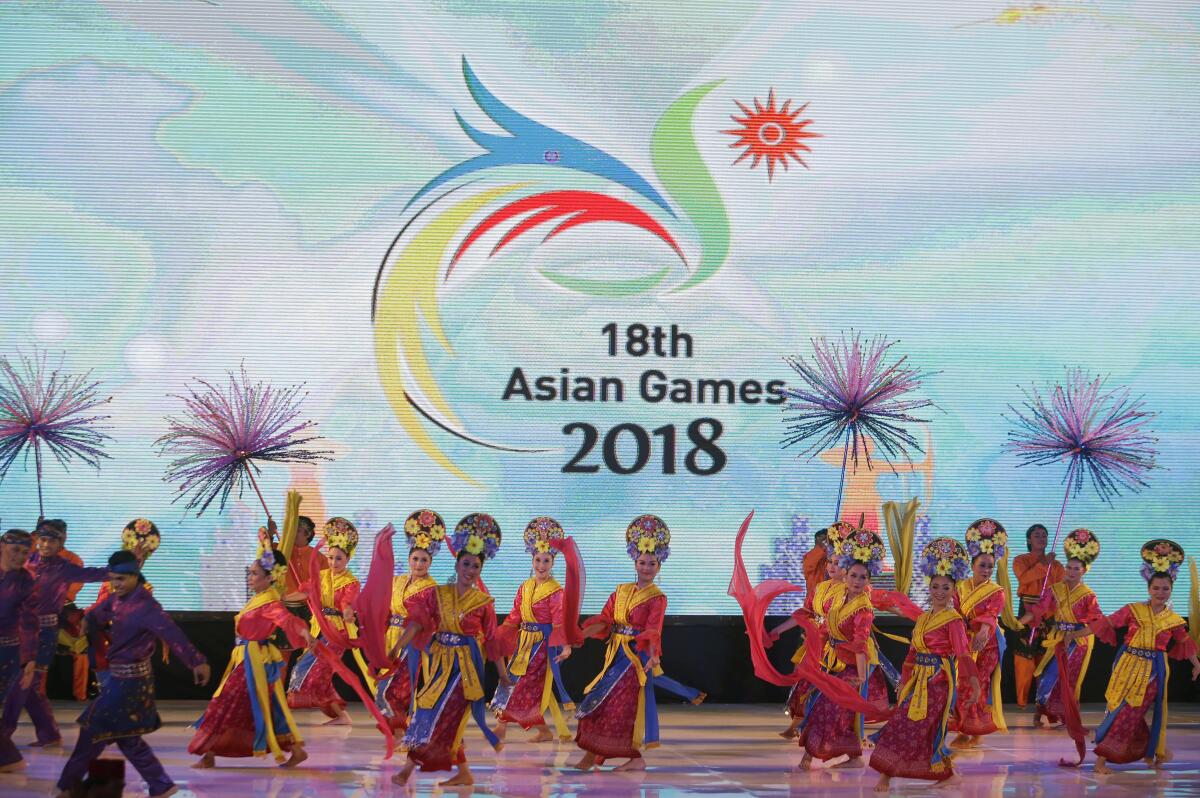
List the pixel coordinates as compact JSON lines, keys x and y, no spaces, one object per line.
{"x":1007,"y":190}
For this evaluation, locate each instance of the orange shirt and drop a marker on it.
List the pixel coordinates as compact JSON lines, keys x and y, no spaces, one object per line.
{"x":814,"y":568}
{"x":73,"y":558}
{"x":301,"y":559}
{"x":1031,"y":574}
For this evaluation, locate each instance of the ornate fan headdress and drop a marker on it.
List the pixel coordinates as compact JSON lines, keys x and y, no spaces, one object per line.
{"x":648,"y":534}
{"x":478,"y":534}
{"x":538,"y":534}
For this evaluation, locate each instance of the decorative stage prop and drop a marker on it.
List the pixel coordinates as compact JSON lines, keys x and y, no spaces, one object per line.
{"x":44,"y":406}
{"x":849,"y":393}
{"x":226,"y":431}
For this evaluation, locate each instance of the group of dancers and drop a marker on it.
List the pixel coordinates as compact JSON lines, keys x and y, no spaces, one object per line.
{"x":950,"y":680}
{"x":436,"y":637}
{"x":433,"y":640}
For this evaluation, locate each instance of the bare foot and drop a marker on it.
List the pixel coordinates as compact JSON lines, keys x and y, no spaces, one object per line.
{"x":789,"y":733}
{"x":460,"y":779}
{"x":698,"y":700}
{"x":883,"y":785}
{"x":501,"y":731}
{"x":343,"y":719}
{"x":852,"y":762}
{"x":1101,"y":767}
{"x":205,"y":762}
{"x":637,"y":763}
{"x":805,"y":763}
{"x":543,"y":735}
{"x":13,"y":767}
{"x":955,"y":780}
{"x":586,"y":763}
{"x":1165,"y":758}
{"x":298,"y":756}
{"x":961,"y":741}
{"x":402,"y":775}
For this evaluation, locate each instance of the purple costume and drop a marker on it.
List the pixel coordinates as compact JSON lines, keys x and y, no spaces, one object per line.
{"x":52,"y":577}
{"x":125,"y":709}
{"x":18,"y":626}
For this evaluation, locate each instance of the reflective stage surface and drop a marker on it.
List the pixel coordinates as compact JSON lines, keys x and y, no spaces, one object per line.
{"x":708,"y":750}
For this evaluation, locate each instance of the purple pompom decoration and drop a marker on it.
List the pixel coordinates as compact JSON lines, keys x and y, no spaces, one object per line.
{"x":225,"y":432}
{"x":41,"y":406}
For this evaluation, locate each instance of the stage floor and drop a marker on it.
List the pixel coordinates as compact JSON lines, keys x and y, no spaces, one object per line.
{"x":713,"y":750}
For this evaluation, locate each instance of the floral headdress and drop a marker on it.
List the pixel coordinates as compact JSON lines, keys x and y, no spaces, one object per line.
{"x":648,"y":534}
{"x":837,"y":532}
{"x":987,"y":536}
{"x":862,"y":546}
{"x":945,"y":557}
{"x":425,"y":529}
{"x":539,"y":532}
{"x":478,"y":534}
{"x":341,"y":534}
{"x":1083,"y":545}
{"x":277,"y":571}
{"x":142,"y":535}
{"x":1161,"y":556}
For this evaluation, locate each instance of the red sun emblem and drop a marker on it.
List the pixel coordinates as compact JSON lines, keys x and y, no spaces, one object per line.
{"x":771,"y":133}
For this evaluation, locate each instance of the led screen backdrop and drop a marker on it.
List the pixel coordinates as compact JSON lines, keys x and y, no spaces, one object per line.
{"x":547,"y":258}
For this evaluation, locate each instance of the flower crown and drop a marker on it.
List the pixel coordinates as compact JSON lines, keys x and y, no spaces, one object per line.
{"x":539,"y":532}
{"x":987,"y":536}
{"x":837,"y":532}
{"x":272,"y":566}
{"x":1161,"y":556}
{"x":648,"y":534}
{"x":341,"y":534}
{"x":862,"y":546}
{"x":945,"y":557}
{"x":141,"y":534}
{"x":1083,"y":545}
{"x":478,"y":534}
{"x":426,"y":530}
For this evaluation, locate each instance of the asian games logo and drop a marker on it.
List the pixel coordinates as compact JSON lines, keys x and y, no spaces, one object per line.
{"x":530,"y":179}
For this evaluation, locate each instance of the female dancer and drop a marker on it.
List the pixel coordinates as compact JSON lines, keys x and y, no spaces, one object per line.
{"x":618,"y":716}
{"x":829,"y":729}
{"x":537,"y":630}
{"x":912,"y":745}
{"x":125,"y":710}
{"x":311,"y":682}
{"x":818,"y":601}
{"x":1031,"y":569}
{"x":1140,"y":674}
{"x":1071,"y":605}
{"x":980,"y":600}
{"x":462,"y":622}
{"x":241,"y":723}
{"x":394,"y":693}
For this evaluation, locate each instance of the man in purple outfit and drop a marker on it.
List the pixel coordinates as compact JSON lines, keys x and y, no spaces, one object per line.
{"x":125,"y":708}
{"x":52,"y":578}
{"x":18,"y":625}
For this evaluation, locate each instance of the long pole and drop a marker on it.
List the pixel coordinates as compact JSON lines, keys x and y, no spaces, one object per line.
{"x":37,"y":459}
{"x":837,"y":510}
{"x":254,"y":484}
{"x":1057,"y":530}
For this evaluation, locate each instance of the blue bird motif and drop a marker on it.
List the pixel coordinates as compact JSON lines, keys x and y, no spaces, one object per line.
{"x":533,"y":143}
